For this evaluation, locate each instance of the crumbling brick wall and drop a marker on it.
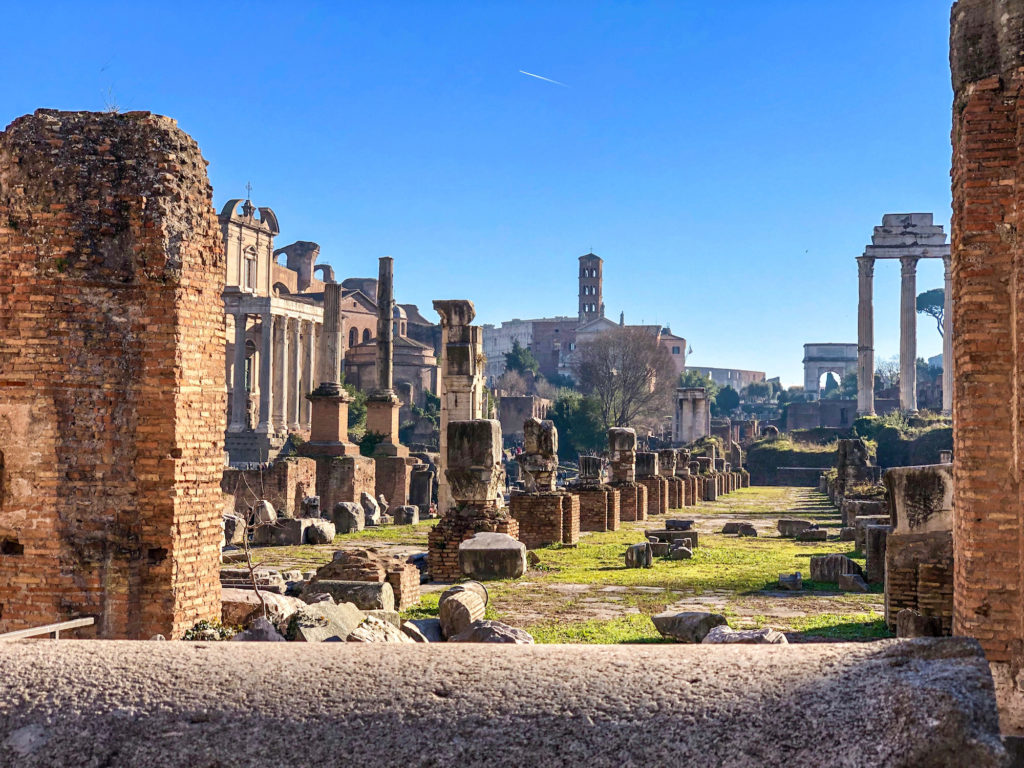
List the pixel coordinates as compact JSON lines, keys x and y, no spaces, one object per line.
{"x":986,"y":53}
{"x":599,"y":508}
{"x":112,"y":396}
{"x":444,"y":538}
{"x":284,"y":484}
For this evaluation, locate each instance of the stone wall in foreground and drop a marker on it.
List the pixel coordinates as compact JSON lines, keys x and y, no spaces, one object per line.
{"x":112,"y":395}
{"x":888,"y":703}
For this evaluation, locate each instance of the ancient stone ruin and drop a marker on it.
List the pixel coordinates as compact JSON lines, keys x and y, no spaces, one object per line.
{"x":475,"y":479}
{"x":632,"y":495}
{"x":112,"y":405}
{"x":545,"y":515}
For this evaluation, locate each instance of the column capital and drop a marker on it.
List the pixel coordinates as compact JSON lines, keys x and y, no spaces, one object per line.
{"x":947,"y":264}
{"x":909,"y":264}
{"x":866,"y":266}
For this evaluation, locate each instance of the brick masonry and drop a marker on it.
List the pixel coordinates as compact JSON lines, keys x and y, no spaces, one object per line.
{"x":599,"y":509}
{"x":374,"y":566}
{"x":453,"y":529}
{"x":344,"y":478}
{"x":112,"y":395}
{"x":546,"y":518}
{"x":632,"y":502}
{"x":657,"y":494}
{"x":986,"y":48}
{"x":919,"y":575}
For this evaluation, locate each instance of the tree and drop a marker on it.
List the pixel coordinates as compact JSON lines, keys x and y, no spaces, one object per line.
{"x":831,"y":386}
{"x":521,"y":360}
{"x":933,"y":303}
{"x":887,"y":373}
{"x":726,"y":401}
{"x":578,"y":421}
{"x":629,"y":372}
{"x":757,"y":390}
{"x":693,"y":378}
{"x":512,"y":383}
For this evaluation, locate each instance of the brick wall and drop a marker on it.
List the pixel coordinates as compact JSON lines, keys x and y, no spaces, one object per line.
{"x":570,"y":519}
{"x":657,"y":494}
{"x":540,"y":518}
{"x":919,"y":575}
{"x":112,"y":395}
{"x":392,"y":477}
{"x":988,"y":323}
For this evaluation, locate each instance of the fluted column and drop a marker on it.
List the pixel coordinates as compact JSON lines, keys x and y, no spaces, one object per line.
{"x":908,"y":334}
{"x":266,"y":388}
{"x":238,"y":394}
{"x":295,"y":374}
{"x":308,"y":367}
{"x":865,"y":336}
{"x":281,"y":373}
{"x":947,"y":339}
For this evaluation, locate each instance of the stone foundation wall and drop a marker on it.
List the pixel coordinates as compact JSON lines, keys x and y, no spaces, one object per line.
{"x":454,"y":528}
{"x":285,"y":484}
{"x":392,"y":477}
{"x":344,"y":478}
{"x":543,"y":517}
{"x":378,"y":567}
{"x":112,"y":396}
{"x":919,"y":575}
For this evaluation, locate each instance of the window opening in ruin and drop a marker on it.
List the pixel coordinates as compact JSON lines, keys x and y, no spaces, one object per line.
{"x":156,"y":555}
{"x":366,"y":335}
{"x":353,"y":337}
{"x":11,"y":546}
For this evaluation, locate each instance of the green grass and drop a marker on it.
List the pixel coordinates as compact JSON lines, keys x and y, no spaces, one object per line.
{"x":842,"y":626}
{"x":719,"y":563}
{"x":634,"y":628}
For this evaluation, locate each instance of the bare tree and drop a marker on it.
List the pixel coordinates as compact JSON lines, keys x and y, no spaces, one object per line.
{"x":512,"y":383}
{"x":630,"y":374}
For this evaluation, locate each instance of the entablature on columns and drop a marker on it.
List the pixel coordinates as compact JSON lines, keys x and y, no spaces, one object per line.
{"x":904,"y":251}
{"x":242,"y":303}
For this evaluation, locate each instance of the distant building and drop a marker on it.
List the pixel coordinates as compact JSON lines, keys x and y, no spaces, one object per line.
{"x":736,"y":378}
{"x":554,"y":340}
{"x":829,"y":357}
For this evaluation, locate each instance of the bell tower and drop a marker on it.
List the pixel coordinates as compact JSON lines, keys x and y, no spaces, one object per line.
{"x":591,"y":297}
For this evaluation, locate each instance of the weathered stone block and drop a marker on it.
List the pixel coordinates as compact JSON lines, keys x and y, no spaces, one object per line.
{"x":365,"y":595}
{"x":688,"y":627}
{"x":492,"y":556}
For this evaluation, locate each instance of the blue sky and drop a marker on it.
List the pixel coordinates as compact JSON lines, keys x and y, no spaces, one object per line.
{"x":728,"y":163}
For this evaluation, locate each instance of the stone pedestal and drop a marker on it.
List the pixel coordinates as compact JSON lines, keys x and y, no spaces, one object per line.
{"x":382,"y":418}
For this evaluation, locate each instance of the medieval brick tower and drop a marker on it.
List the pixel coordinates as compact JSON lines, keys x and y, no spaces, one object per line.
{"x":591,"y":301}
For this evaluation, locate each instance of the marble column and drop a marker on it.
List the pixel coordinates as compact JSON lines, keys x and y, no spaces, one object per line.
{"x":328,"y":429}
{"x":331,"y":341}
{"x":295,"y":374}
{"x":385,"y":326}
{"x":238,"y":394}
{"x":308,"y":367}
{"x":865,"y":337}
{"x":908,"y":334}
{"x":281,"y":373}
{"x":947,"y":339}
{"x":265,"y":425}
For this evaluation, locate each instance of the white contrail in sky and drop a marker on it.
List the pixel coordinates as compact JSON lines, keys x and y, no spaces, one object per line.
{"x":546,"y":79}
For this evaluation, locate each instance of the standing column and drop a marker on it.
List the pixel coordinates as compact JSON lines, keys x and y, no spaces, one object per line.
{"x":865,"y":337}
{"x":947,"y":339}
{"x":281,"y":373}
{"x":295,"y":371}
{"x":385,"y":326}
{"x":686,"y":420}
{"x":238,"y":394}
{"x":908,"y":334}
{"x":266,"y":389}
{"x":308,"y":365}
